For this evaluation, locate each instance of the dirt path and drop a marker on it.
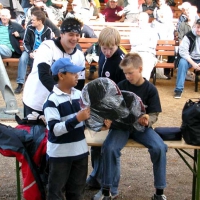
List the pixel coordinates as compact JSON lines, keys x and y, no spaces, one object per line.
{"x":136,"y":173}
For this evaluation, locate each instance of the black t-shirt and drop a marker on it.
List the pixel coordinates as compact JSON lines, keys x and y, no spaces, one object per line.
{"x":147,"y":92}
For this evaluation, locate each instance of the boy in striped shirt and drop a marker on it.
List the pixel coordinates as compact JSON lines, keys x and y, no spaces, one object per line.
{"x":66,"y":147}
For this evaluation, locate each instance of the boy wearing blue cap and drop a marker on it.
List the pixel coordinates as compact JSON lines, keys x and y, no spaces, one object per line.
{"x":67,"y":149}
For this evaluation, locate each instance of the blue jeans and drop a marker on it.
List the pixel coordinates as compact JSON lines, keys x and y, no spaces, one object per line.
{"x":100,"y":162}
{"x":111,"y":152}
{"x":183,"y":67}
{"x":5,"y":51}
{"x":22,"y":67}
{"x":157,"y":149}
{"x":67,"y":179}
{"x":112,"y":146}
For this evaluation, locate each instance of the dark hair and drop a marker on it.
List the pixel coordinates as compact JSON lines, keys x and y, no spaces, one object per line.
{"x":40,"y":15}
{"x":56,"y":78}
{"x":70,"y":21}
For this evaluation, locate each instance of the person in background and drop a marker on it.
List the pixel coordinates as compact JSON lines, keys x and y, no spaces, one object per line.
{"x":46,"y":9}
{"x":58,"y":9}
{"x":187,"y":25}
{"x":131,"y":11}
{"x":119,"y":133}
{"x":13,"y":6}
{"x":110,"y":13}
{"x":184,"y":7}
{"x":88,"y":32}
{"x":10,"y":33}
{"x":40,"y":82}
{"x":143,"y":40}
{"x":190,"y":57}
{"x":25,"y":5}
{"x":35,"y":34}
{"x":79,"y":12}
{"x":67,"y":148}
{"x":149,"y":7}
{"x":47,"y":22}
{"x":163,"y":24}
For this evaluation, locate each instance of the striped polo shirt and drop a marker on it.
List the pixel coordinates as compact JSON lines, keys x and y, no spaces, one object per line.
{"x":66,"y":139}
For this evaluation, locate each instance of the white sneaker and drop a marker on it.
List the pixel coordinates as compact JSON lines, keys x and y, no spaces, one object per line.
{"x":190,"y":76}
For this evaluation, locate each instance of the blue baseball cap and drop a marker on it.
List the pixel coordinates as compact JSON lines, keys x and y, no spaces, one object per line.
{"x":65,"y":65}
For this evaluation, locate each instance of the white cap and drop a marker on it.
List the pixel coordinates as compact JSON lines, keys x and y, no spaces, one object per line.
{"x":185,"y":5}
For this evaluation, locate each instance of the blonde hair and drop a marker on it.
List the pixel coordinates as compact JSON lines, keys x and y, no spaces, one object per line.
{"x":109,"y":37}
{"x":131,"y":60}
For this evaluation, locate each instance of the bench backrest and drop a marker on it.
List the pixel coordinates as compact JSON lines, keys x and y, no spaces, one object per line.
{"x":164,"y":47}
{"x":85,"y":43}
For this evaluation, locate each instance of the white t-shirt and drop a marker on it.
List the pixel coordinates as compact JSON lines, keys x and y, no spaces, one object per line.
{"x":35,"y":92}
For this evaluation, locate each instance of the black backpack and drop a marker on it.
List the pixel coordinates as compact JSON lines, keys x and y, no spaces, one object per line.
{"x":190,"y":127}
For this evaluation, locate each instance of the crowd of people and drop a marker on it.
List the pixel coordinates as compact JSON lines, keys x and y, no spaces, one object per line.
{"x":50,"y":35}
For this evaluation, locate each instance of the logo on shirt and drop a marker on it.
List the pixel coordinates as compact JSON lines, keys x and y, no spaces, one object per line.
{"x":107,"y":74}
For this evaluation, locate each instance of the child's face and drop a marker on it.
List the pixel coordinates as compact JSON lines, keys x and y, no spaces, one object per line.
{"x":68,"y":80}
{"x":109,"y":51}
{"x":132,"y":74}
{"x":69,"y":41}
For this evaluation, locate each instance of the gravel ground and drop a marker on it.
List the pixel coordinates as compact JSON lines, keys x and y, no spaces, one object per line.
{"x":136,"y":173}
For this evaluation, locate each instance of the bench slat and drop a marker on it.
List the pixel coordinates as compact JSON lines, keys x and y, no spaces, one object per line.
{"x":97,"y":139}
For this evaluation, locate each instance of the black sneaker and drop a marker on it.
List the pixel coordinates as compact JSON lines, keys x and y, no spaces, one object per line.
{"x":19,"y":89}
{"x":177,"y":95}
{"x":159,"y":197}
{"x":92,"y":184}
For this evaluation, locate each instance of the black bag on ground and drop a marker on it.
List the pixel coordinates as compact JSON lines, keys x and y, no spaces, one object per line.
{"x":169,"y":133}
{"x":190,"y":127}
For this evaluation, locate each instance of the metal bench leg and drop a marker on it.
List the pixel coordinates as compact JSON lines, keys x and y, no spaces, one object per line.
{"x":7,"y":92}
{"x":18,"y":180}
{"x":198,"y":176}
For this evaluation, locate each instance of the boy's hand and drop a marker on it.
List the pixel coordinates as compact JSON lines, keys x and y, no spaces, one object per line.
{"x":82,"y":115}
{"x":144,"y":120}
{"x":107,"y":124}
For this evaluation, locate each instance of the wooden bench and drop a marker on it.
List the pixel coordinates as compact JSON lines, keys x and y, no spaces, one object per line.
{"x":164,"y":48}
{"x":98,"y":138}
{"x":123,"y":28}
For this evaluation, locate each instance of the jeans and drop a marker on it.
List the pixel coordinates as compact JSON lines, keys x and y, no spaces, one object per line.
{"x":157,"y":149}
{"x":183,"y":67}
{"x":5,"y":51}
{"x":94,"y":178}
{"x":22,"y":67}
{"x":112,"y":146}
{"x":67,"y":179}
